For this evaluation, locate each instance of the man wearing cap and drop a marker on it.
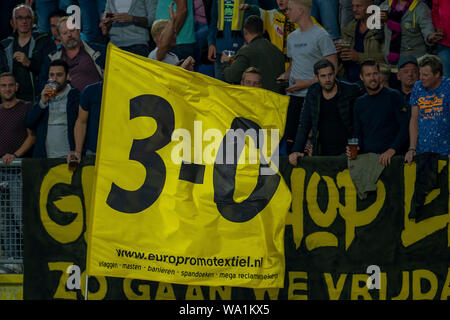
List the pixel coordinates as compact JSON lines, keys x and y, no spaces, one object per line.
{"x":408,"y":75}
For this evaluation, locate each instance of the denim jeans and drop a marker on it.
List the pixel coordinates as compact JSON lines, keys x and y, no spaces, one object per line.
{"x":90,"y":17}
{"x":443,"y":53}
{"x":326,"y":12}
{"x":45,"y":7}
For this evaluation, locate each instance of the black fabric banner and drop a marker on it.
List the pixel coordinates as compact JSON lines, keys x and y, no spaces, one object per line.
{"x":337,"y":246}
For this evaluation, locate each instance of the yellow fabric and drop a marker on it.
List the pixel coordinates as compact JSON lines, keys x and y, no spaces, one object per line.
{"x":185,"y":219}
{"x":238,"y":16}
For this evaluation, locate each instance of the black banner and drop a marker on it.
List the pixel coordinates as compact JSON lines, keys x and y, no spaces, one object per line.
{"x":337,"y":246}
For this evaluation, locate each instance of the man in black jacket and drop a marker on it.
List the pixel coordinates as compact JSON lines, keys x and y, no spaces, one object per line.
{"x":24,"y":52}
{"x":328,"y":110}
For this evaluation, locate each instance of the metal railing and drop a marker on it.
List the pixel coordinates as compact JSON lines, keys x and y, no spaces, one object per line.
{"x":11,"y":225}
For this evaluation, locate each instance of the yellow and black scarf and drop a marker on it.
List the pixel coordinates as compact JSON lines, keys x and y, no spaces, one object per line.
{"x":237,"y":21}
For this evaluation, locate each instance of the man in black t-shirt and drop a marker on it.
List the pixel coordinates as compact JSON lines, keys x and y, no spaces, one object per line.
{"x":326,"y":114}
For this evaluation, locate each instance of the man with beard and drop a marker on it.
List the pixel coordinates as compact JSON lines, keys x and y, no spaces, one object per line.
{"x":328,"y":110}
{"x":380,"y":117}
{"x":53,"y":117}
{"x":86,"y":61}
{"x":15,"y":138}
{"x":305,"y":46}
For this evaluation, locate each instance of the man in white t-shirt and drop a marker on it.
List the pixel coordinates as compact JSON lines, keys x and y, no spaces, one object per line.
{"x":305,"y":46}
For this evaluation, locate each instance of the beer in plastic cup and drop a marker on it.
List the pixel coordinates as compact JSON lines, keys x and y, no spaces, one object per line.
{"x":353,"y":145}
{"x":54,"y":86}
{"x":230,"y":54}
{"x":73,"y":163}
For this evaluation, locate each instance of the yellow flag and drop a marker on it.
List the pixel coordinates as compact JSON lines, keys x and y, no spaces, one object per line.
{"x":186,"y":188}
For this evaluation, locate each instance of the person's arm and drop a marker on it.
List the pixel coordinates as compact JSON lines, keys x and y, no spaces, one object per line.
{"x":401,"y":117}
{"x":79,"y":134}
{"x":212,"y":33}
{"x":304,"y":125}
{"x":233,"y":73}
{"x":413,"y":134}
{"x":333,"y":58}
{"x":401,"y":139}
{"x":128,"y":18}
{"x":180,"y":14}
{"x":26,"y":145}
{"x":356,"y":126}
{"x":166,"y":36}
{"x":300,"y":85}
{"x":285,"y":75}
{"x":33,"y":116}
{"x":304,"y":84}
{"x":425,"y":23}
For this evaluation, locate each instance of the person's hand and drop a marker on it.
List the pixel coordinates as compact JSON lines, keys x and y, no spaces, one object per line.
{"x":8,"y":158}
{"x":294,"y":156}
{"x":171,"y":12}
{"x":435,"y":37}
{"x":348,"y":54}
{"x":74,"y":155}
{"x":297,"y":86}
{"x":349,"y":152}
{"x":385,"y":158}
{"x":29,"y":2}
{"x":21,"y":58}
{"x":409,"y":156}
{"x":212,"y":52}
{"x":245,"y":6}
{"x":308,"y":149}
{"x":188,"y":64}
{"x":283,"y":77}
{"x":337,"y":44}
{"x":45,"y":93}
{"x":105,"y":25}
{"x":224,"y":57}
{"x":122,"y":18}
{"x":383,"y":16}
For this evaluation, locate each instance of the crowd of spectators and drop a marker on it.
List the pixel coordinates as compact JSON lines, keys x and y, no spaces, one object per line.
{"x":386,"y":86}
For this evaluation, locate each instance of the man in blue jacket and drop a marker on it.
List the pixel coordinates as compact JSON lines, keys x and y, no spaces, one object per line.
{"x":53,"y":117}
